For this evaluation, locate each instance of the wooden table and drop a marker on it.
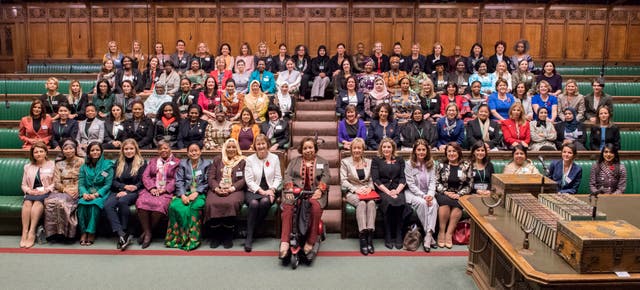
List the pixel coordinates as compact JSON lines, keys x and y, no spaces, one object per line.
{"x":497,"y":261}
{"x":520,"y":183}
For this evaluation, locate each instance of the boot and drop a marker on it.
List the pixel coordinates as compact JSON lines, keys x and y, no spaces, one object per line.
{"x":370,"y":248}
{"x":215,"y":236}
{"x":387,"y":233}
{"x":363,"y":242}
{"x":227,"y":236}
{"x":399,"y":239}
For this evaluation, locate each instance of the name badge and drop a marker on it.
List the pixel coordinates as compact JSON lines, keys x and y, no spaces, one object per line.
{"x":265,"y":79}
{"x":198,"y":172}
{"x":172,"y":163}
{"x":567,"y":179}
{"x":172,"y":129}
{"x":40,"y":188}
{"x":465,"y":83}
{"x":184,"y":61}
{"x":239,"y":174}
{"x":235,"y":100}
{"x":321,"y":67}
{"x":183,"y":108}
{"x":491,"y":129}
{"x":278,"y":127}
{"x":319,"y":166}
{"x":207,"y":59}
{"x":269,"y":59}
{"x":46,"y":171}
{"x":480,"y":186}
{"x":345,"y":99}
{"x":44,"y":127}
{"x":273,"y":140}
{"x":460,"y":174}
{"x":578,"y":133}
{"x":54,"y":102}
{"x":104,"y":174}
{"x":434,"y":100}
{"x":401,"y":60}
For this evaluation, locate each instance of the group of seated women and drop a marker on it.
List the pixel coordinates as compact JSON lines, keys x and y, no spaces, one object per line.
{"x":433,"y":189}
{"x":179,"y":121}
{"x":538,"y":122}
{"x":194,"y":193}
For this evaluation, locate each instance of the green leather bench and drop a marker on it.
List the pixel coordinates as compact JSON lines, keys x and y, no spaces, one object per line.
{"x":11,"y":195}
{"x":38,"y":86}
{"x":63,"y":68}
{"x":595,"y":70}
{"x":9,"y":139}
{"x":16,"y":111}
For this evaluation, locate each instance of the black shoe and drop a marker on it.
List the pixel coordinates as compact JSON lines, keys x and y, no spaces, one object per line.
{"x":124,"y":242}
{"x":247,"y":245}
{"x":215,"y":242}
{"x":227,"y":238}
{"x":399,"y":243}
{"x":141,"y":239}
{"x":364,"y":250}
{"x":146,"y":244}
{"x":313,"y":253}
{"x":370,"y":242}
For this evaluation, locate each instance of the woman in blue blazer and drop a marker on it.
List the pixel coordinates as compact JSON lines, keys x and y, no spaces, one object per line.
{"x":565,"y":172}
{"x":350,"y":96}
{"x":450,"y":128}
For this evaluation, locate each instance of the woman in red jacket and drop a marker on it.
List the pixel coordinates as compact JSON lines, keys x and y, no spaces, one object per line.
{"x":37,"y":126}
{"x":221,"y":75}
{"x":516,"y":128}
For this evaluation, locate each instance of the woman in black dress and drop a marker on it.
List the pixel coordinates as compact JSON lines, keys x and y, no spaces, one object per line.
{"x":454,"y":178}
{"x":192,"y":129}
{"x":387,"y":172}
{"x":482,"y":168}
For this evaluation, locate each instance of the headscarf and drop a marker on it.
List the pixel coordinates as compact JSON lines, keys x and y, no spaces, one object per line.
{"x":368,"y":60}
{"x":229,"y":164}
{"x":67,"y":143}
{"x":379,"y":95}
{"x":250,"y":93}
{"x":284,"y":101}
{"x":573,"y":125}
{"x":542,"y":123}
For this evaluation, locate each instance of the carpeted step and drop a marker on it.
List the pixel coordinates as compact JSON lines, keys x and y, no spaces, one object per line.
{"x":332,"y":156}
{"x":335,"y":176}
{"x":316,"y":116}
{"x":310,"y":128}
{"x":324,"y":105}
{"x":330,"y":142}
{"x":334,"y":198}
{"x":332,"y":219}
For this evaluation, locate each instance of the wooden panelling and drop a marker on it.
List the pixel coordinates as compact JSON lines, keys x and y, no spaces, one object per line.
{"x":81,"y":30}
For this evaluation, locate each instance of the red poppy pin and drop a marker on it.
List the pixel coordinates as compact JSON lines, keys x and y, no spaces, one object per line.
{"x":266,"y":164}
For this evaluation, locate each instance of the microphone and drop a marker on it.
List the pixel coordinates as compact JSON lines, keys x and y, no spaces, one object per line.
{"x":544,"y":166}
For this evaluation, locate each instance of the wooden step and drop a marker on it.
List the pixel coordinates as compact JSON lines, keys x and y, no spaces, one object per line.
{"x":332,"y":219}
{"x":316,"y":116}
{"x":324,"y":105}
{"x":310,"y":128}
{"x":332,"y":156}
{"x":330,"y":142}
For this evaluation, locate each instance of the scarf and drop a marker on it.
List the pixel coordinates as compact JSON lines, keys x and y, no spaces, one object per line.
{"x":161,"y":175}
{"x":229,"y":164}
{"x":485,"y":129}
{"x":272,"y":128}
{"x":379,"y":95}
{"x":166,"y":122}
{"x":542,"y":123}
{"x":450,"y":125}
{"x":573,"y":125}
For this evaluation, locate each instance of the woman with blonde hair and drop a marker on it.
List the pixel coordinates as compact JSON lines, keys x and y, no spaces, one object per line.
{"x":356,"y":182}
{"x":52,"y":98}
{"x":125,"y":186}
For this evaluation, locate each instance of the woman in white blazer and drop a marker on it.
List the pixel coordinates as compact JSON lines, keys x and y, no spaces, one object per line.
{"x":263,"y":178}
{"x":355,"y":179}
{"x":90,"y":129}
{"x":420,"y":176}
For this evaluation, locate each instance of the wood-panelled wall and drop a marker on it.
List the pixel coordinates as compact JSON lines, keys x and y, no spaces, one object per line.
{"x":79,"y":31}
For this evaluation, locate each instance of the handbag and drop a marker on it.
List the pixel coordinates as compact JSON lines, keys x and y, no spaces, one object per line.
{"x":412,"y":239}
{"x":462,"y":234}
{"x":373,"y":195}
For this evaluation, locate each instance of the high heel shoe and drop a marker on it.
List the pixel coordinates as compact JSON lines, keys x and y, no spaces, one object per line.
{"x":448,"y":241}
{"x":441,"y":240}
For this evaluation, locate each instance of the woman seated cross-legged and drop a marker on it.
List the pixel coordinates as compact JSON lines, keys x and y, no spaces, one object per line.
{"x":37,"y":183}
{"x":421,"y":180}
{"x":263,"y":177}
{"x":126,"y":184}
{"x":185,"y":210}
{"x":355,"y":179}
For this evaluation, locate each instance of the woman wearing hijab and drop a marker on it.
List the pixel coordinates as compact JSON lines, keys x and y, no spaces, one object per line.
{"x":321,"y":73}
{"x":225,"y":194}
{"x":378,"y":95}
{"x":570,"y":130}
{"x":154,"y":101}
{"x":256,"y":101}
{"x":543,"y":134}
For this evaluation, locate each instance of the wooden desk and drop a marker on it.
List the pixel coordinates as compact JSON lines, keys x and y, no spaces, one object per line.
{"x":520,"y":183}
{"x":496,"y":259}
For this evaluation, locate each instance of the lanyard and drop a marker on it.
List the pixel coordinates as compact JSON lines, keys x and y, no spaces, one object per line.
{"x":482,"y":175}
{"x":420,"y":131}
{"x":183,"y":97}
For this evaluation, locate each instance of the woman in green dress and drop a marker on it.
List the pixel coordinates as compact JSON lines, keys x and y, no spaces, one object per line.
{"x":94,"y":183}
{"x":185,"y":210}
